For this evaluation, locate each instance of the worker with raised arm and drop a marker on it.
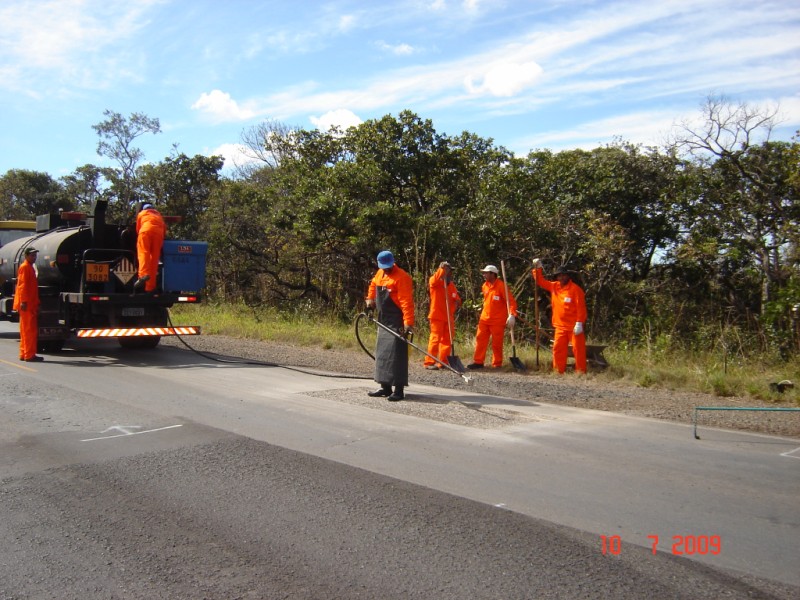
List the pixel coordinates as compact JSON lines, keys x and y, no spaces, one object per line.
{"x":445,"y":300}
{"x":495,"y":317}
{"x":568,"y":303}
{"x":391,"y":292}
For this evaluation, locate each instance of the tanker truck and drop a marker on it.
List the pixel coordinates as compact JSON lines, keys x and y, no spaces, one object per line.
{"x":86,"y":269}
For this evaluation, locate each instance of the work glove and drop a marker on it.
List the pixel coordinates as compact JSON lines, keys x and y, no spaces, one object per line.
{"x":408,"y":332}
{"x":578,"y":329}
{"x":537,"y":263}
{"x":510,"y":321}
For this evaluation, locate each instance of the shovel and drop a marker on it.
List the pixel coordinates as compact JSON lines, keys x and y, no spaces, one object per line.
{"x":454,"y":361}
{"x":515,"y":362}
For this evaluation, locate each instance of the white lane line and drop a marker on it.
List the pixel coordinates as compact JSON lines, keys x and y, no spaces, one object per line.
{"x":125,"y":429}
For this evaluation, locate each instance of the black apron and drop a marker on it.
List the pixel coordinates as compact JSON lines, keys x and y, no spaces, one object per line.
{"x":391,"y":353}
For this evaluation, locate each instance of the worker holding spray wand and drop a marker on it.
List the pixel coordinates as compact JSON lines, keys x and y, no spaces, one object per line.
{"x":391,"y":291}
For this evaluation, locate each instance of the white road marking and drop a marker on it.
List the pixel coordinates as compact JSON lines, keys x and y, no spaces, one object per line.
{"x":791,"y":453}
{"x":126,"y":431}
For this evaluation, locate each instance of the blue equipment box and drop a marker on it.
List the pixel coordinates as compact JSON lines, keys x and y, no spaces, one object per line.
{"x":184,"y":266}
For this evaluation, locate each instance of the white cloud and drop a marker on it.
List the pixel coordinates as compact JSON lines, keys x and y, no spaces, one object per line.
{"x":347,"y":22}
{"x":397,"y":49}
{"x":504,"y":79}
{"x":789,"y":113}
{"x":649,"y":128}
{"x":471,"y":5}
{"x":235,"y":155}
{"x":341,"y":118}
{"x":69,"y":43}
{"x":585,"y":61}
{"x":220,"y":107}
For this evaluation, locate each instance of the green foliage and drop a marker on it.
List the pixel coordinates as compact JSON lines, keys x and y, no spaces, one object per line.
{"x":180,"y":185}
{"x":689,"y":251}
{"x":25,"y":194}
{"x":117,"y":135}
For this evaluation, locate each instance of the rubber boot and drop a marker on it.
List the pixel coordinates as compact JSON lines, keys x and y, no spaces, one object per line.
{"x":139,"y":285}
{"x":383,"y":391}
{"x":398,"y":394}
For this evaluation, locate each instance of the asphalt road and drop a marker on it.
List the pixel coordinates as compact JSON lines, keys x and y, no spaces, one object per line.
{"x":165,"y":475}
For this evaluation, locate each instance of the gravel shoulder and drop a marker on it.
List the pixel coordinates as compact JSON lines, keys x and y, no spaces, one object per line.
{"x":537,"y":387}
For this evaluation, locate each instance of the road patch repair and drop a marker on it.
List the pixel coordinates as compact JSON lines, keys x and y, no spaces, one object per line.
{"x":438,"y":407}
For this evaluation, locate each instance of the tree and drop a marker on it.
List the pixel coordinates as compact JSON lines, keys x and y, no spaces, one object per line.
{"x":182,"y":186}
{"x":117,"y":135}
{"x":84,"y":186}
{"x":26,"y":194}
{"x":749,"y":203}
{"x":268,"y":144}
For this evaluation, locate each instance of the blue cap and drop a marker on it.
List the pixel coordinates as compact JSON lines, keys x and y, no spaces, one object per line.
{"x":385,"y":259}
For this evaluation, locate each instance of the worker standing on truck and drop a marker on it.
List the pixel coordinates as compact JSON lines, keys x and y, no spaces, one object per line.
{"x":568,"y":303}
{"x":26,"y":303}
{"x":391,"y":292}
{"x":150,"y":232}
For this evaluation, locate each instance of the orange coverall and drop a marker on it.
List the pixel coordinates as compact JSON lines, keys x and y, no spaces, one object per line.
{"x":150,"y":232}
{"x":440,"y":343}
{"x":401,"y":291}
{"x":493,"y":321}
{"x":27,"y":292}
{"x":569,"y":307}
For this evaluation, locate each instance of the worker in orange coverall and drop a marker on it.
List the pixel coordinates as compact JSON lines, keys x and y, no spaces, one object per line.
{"x":26,"y":303}
{"x":494,"y":318}
{"x":391,"y":291}
{"x":150,"y":232}
{"x":569,"y":314}
{"x":444,"y":303}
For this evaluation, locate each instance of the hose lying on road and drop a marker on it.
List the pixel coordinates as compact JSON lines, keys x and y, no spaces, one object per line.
{"x":261,"y":363}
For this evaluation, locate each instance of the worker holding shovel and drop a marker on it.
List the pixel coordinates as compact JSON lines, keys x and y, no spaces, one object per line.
{"x":568,"y":303}
{"x":497,"y":314}
{"x":444,"y":303}
{"x":391,"y":292}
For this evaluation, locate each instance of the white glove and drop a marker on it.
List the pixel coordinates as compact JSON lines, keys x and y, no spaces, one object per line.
{"x":370,"y":303}
{"x":578,"y":329}
{"x":537,"y":263}
{"x":510,"y":321}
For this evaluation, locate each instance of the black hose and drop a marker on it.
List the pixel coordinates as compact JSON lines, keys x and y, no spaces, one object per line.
{"x":258,"y":363}
{"x":360,"y":316}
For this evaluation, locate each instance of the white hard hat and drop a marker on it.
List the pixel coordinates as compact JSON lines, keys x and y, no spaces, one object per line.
{"x":490,"y":269}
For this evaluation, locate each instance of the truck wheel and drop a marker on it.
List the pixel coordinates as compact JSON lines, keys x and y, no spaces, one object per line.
{"x":139,"y":343}
{"x":51,"y":346}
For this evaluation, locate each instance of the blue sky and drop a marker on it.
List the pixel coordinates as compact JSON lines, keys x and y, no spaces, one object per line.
{"x":530,"y":74}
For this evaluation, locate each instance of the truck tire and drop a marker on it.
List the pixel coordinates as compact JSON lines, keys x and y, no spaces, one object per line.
{"x":139,"y":343}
